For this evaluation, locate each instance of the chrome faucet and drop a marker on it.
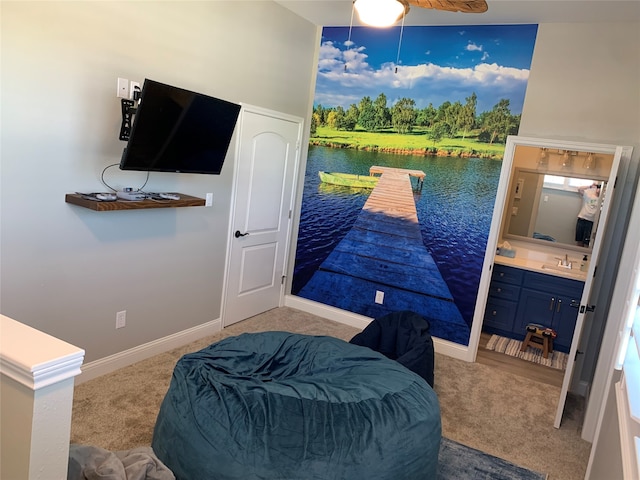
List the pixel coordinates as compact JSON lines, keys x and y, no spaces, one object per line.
{"x":564,"y":262}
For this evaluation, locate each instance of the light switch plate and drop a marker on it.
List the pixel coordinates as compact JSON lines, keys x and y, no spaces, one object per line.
{"x":123,"y":88}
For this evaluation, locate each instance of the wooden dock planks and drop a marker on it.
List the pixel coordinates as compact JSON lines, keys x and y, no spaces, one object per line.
{"x":384,"y":251}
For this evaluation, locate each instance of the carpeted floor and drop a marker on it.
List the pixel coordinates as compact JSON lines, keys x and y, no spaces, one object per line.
{"x":501,"y":414}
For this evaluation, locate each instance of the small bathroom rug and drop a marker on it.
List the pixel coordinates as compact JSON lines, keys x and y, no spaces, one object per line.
{"x":512,"y":347}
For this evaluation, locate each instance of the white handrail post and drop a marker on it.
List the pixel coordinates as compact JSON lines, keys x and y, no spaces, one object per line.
{"x":36,"y":398}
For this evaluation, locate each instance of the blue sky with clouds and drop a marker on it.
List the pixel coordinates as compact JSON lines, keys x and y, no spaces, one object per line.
{"x":434,"y":64}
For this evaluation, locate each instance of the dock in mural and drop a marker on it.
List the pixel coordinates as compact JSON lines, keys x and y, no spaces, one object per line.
{"x":384,"y":252}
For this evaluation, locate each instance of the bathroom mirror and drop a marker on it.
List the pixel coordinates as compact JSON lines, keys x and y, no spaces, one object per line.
{"x":549,"y":189}
{"x":546,"y":207}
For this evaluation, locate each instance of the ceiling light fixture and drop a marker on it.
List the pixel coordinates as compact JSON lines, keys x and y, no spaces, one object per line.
{"x":381,"y":13}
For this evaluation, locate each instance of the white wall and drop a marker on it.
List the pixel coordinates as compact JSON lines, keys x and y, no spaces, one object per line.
{"x":67,"y":270}
{"x":584,"y":86}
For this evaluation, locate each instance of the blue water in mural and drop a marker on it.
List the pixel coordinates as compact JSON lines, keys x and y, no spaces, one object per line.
{"x":454,"y":209}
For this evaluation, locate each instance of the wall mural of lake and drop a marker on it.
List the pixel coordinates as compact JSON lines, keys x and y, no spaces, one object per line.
{"x":354,"y":243}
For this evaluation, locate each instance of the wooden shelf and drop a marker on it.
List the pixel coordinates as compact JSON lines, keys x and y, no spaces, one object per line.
{"x":185,"y":201}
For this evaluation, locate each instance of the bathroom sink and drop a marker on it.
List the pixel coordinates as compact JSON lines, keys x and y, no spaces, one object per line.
{"x":550,"y":266}
{"x":565,"y":271}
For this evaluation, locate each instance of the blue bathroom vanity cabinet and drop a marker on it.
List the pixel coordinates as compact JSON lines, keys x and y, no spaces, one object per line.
{"x":518,"y":297}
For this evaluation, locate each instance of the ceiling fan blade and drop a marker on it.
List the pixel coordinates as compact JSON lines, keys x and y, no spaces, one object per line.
{"x":465,"y":6}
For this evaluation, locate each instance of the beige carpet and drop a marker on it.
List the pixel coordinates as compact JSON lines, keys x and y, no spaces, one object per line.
{"x":499,"y":413}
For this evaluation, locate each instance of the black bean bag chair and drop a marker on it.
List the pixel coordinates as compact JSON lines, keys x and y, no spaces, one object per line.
{"x":404,"y":337}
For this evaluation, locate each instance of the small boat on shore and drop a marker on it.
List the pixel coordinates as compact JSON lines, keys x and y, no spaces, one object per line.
{"x":349,"y":179}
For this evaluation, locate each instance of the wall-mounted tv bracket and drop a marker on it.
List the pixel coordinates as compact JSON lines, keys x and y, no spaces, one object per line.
{"x":128,"y":111}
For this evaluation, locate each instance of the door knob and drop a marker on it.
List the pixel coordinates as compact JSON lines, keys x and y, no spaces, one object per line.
{"x":238,"y":234}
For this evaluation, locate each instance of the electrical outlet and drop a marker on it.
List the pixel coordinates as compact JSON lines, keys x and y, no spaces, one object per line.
{"x":209,"y":200}
{"x":121,"y":319}
{"x":123,"y":88}
{"x":133,"y":86}
{"x":379,"y":297}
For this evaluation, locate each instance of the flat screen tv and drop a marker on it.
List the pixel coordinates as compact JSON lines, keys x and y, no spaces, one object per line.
{"x":176,"y":130}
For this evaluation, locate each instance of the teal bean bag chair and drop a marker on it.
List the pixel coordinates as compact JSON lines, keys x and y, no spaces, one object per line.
{"x":277,"y":405}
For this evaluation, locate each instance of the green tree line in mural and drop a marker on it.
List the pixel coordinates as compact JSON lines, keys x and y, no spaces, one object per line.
{"x":451,"y":129}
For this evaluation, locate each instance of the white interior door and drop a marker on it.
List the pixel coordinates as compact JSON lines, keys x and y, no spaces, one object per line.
{"x":267,"y":154}
{"x":586,"y":293}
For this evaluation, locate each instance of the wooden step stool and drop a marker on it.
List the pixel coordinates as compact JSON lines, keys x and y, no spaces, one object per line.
{"x":539,"y":337}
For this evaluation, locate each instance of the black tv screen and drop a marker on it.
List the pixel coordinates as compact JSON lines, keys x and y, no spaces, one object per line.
{"x":177,"y":130}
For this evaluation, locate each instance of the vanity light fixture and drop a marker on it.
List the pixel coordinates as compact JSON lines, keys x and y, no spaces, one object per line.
{"x":380,"y":13}
{"x":566,"y":159}
{"x":543,"y":161}
{"x":590,"y":162}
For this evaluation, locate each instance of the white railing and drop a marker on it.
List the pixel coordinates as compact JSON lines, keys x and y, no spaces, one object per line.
{"x":36,"y":393}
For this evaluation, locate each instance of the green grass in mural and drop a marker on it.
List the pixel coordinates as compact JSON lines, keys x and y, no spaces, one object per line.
{"x":415,"y":142}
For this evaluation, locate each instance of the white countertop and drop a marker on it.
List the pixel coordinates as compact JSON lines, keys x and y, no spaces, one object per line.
{"x":543,"y":262}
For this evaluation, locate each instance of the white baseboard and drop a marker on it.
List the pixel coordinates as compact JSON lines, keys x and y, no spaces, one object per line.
{"x":113,"y":362}
{"x":583,"y":389}
{"x":326,"y":311}
{"x":452,"y":349}
{"x":125,"y":358}
{"x":444,"y":347}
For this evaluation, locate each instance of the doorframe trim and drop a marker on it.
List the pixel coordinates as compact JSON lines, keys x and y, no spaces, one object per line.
{"x":617,"y":152}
